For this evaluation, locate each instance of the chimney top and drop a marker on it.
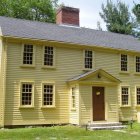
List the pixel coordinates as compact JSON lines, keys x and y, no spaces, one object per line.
{"x":67,"y":16}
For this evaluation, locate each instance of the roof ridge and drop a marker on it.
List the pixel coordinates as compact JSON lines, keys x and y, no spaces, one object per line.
{"x":32,"y":21}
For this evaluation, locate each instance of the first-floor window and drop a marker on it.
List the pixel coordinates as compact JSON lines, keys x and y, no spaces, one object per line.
{"x":138,"y":96}
{"x":73,"y":97}
{"x":26,"y":94}
{"x":125,"y":96}
{"x":48,"y":94}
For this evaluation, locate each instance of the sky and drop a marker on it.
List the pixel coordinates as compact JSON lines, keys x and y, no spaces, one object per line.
{"x":89,"y":11}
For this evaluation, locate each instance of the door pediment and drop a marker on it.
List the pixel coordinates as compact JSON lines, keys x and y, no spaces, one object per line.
{"x":97,"y":76}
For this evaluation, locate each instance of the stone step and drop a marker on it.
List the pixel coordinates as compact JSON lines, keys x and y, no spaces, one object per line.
{"x":105,"y":124}
{"x":107,"y":127}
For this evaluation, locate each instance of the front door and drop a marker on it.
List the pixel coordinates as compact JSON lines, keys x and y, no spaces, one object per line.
{"x":98,"y":103}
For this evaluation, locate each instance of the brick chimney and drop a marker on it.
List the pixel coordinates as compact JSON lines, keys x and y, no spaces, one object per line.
{"x":67,"y":16}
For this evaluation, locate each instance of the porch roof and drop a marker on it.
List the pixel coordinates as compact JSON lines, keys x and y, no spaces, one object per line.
{"x":98,"y":72}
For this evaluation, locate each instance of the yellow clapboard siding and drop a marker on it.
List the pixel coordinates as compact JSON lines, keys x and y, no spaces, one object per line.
{"x":69,"y":63}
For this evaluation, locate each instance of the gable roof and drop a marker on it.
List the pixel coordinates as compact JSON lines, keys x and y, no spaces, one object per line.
{"x":13,"y":27}
{"x":99,"y":72}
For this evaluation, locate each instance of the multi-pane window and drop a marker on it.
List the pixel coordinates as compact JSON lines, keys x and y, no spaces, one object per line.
{"x":48,"y":95}
{"x":125,"y":96}
{"x":73,"y":97}
{"x":124,"y":62}
{"x":48,"y":56}
{"x":137,"y":63}
{"x":88,"y":59}
{"x":27,"y":93}
{"x":138,"y":96}
{"x":28,"y":54}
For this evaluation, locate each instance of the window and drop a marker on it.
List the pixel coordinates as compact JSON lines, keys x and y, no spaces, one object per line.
{"x":27,"y":94}
{"x":88,"y":59}
{"x":137,"y":64}
{"x":48,"y":95}
{"x":138,"y":95}
{"x":48,"y":56}
{"x":125,"y":96}
{"x":28,"y":54}
{"x":124,"y":62}
{"x":73,"y":97}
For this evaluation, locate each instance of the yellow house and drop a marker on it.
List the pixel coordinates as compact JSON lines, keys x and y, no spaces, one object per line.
{"x":62,"y":73}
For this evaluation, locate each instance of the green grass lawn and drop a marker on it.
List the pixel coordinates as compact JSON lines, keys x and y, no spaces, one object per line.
{"x":69,"y":133}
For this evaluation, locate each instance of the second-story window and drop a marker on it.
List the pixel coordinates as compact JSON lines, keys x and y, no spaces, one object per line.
{"x":88,"y":59}
{"x":137,"y":63}
{"x":124,"y":62}
{"x":48,"y":56}
{"x":28,"y":54}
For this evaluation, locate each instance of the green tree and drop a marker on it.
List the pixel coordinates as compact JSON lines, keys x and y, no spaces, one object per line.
{"x":117,"y":17}
{"x":40,"y":10}
{"x":136,"y":11}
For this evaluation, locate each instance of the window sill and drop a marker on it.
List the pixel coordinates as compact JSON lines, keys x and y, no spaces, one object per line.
{"x":48,"y":67}
{"x":125,"y":106}
{"x":137,"y":73}
{"x":27,"y":66}
{"x":45,"y":107}
{"x":73,"y":109}
{"x":87,"y":69}
{"x":26,"y":107}
{"x":138,"y":106}
{"x":124,"y":72}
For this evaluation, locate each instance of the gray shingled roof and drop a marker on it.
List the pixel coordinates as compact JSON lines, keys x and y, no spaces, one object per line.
{"x":47,"y":31}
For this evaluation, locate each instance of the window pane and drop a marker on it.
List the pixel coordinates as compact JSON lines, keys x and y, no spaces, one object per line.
{"x":28,"y":54}
{"x":138,"y":96}
{"x":26,"y":94}
{"x":48,"y":95}
{"x":124,"y":62}
{"x":125,"y":96}
{"x":137,"y":64}
{"x":88,"y":59}
{"x":48,"y":56}
{"x":73,"y":97}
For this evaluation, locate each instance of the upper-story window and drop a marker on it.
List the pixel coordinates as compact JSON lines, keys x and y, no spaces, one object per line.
{"x":88,"y":59}
{"x":48,"y":56}
{"x":124,"y":62}
{"x":28,"y":54}
{"x":137,"y":63}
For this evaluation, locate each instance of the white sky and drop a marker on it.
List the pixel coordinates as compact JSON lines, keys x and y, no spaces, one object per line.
{"x":89,"y":11}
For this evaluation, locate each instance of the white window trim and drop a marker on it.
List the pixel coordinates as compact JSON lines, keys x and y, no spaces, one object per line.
{"x":93,"y":62}
{"x":137,"y":73}
{"x":129,"y":98}
{"x":54,"y":58}
{"x":32,"y":102}
{"x":137,"y":86}
{"x":125,"y":72}
{"x":22,"y":51}
{"x":54,"y":90}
